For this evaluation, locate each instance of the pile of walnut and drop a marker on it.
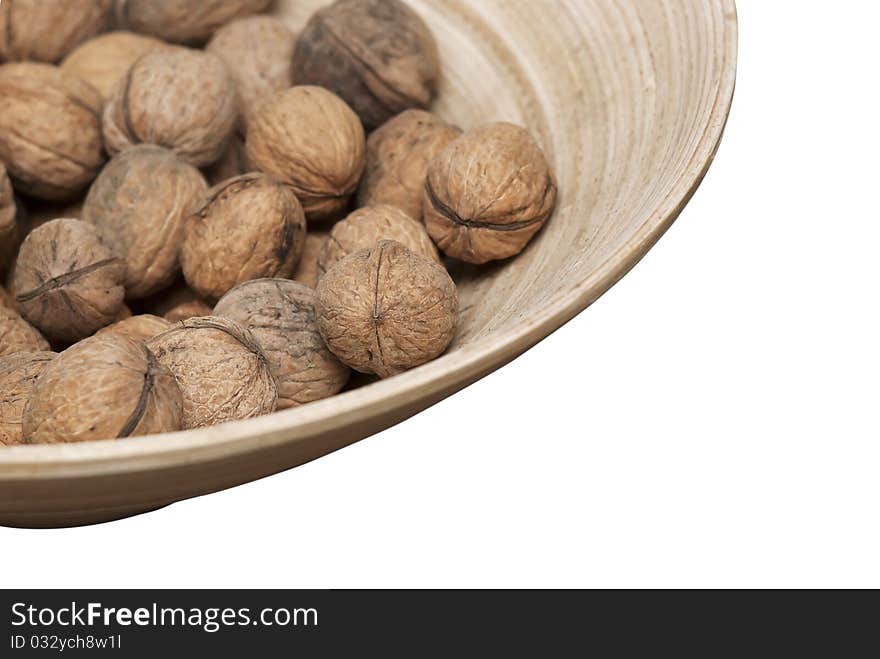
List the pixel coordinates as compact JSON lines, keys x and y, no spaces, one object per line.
{"x":164,"y":158}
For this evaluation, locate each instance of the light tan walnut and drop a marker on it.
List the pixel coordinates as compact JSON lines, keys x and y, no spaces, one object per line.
{"x":50,"y":130}
{"x":104,"y":387}
{"x":385,"y":310}
{"x":181,"y":99}
{"x":185,"y":21}
{"x":140,"y":328}
{"x":139,"y":205}
{"x":17,"y":335}
{"x":248,"y":227}
{"x":68,"y":284}
{"x":307,"y":270}
{"x":18,"y":373}
{"x":220,"y":368}
{"x":177,"y":303}
{"x":488,"y":193}
{"x":310,"y":139}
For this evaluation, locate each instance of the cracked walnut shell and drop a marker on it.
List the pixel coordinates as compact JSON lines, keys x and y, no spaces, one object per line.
{"x":104,"y":387}
{"x":249,"y":227}
{"x":385,"y":310}
{"x":185,"y":21}
{"x":139,"y":204}
{"x":18,"y":373}
{"x":67,"y":283}
{"x":50,"y":130}
{"x":365,"y":227}
{"x":398,"y":155}
{"x":181,"y":99}
{"x":220,"y":368}
{"x":17,"y":335}
{"x":488,"y":193}
{"x":310,"y":139}
{"x":46,"y":30}
{"x":377,"y":55}
{"x":281,"y":315}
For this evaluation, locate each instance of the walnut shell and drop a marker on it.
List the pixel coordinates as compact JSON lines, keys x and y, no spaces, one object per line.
{"x":18,"y":373}
{"x":10,"y":223}
{"x":177,"y":303}
{"x":258,"y":51}
{"x":234,"y":162}
{"x":398,"y":155}
{"x":185,"y":21}
{"x":310,"y":139}
{"x":105,"y":60}
{"x":42,"y":31}
{"x":385,"y":310}
{"x":488,"y":194}
{"x":181,"y":99}
{"x":248,"y":227}
{"x":139,"y":203}
{"x":50,"y":130}
{"x":17,"y":335}
{"x":220,"y":369}
{"x":377,"y":55}
{"x":307,"y":270}
{"x":139,"y":328}
{"x":67,"y":283}
{"x":104,"y":387}
{"x":5,"y":300}
{"x":363,"y":228}
{"x":281,"y":315}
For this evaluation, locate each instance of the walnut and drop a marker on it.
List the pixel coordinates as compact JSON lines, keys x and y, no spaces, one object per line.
{"x":307,"y":270}
{"x":367,"y":226}
{"x":185,"y":21}
{"x":50,"y":130}
{"x":5,"y":300}
{"x":67,"y":283}
{"x":139,"y":204}
{"x":181,"y":99}
{"x":234,"y":162}
{"x":104,"y":387}
{"x":248,"y":227}
{"x":257,"y":51}
{"x":177,"y":303}
{"x":378,"y":55}
{"x":398,"y":155}
{"x":140,"y":328}
{"x":310,"y":139}
{"x":220,"y":369}
{"x":105,"y":60}
{"x":124,"y":312}
{"x":45,"y":31}
{"x":10,"y":221}
{"x":385,"y":310}
{"x":18,"y":373}
{"x":17,"y":335}
{"x":281,"y":315}
{"x":488,"y":193}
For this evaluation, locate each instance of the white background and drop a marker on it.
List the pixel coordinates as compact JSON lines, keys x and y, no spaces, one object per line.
{"x":711,"y":421}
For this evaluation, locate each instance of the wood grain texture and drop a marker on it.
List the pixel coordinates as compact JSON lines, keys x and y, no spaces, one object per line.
{"x":629,"y":99}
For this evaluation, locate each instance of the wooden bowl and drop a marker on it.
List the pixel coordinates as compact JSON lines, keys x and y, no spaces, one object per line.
{"x":629,"y":99}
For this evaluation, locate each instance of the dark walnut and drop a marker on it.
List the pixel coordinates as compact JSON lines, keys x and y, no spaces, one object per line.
{"x":234,"y":162}
{"x":140,"y":328}
{"x":258,"y":51}
{"x":104,"y":60}
{"x":220,"y":368}
{"x":488,"y":194}
{"x":67,"y":283}
{"x":398,"y":155}
{"x":185,"y":21}
{"x":46,"y":30}
{"x":181,"y":99}
{"x":139,"y":203}
{"x":281,"y":315}
{"x":377,"y":55}
{"x":310,"y":139}
{"x":365,"y":227}
{"x":50,"y":130}
{"x":248,"y":227}
{"x":5,"y":300}
{"x":177,"y":303}
{"x":307,"y":270}
{"x":105,"y":387}
{"x":385,"y":310}
{"x":17,"y":335}
{"x":18,"y":373}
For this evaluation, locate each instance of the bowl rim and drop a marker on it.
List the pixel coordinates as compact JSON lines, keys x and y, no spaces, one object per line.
{"x":432,"y":381}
